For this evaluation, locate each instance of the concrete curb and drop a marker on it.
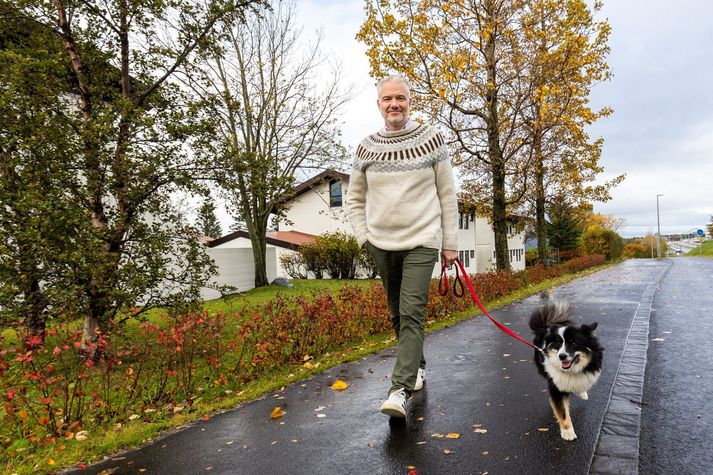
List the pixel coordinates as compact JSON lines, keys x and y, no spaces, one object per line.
{"x":617,"y":448}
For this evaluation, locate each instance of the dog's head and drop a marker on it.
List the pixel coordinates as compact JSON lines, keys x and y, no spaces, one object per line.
{"x":570,"y":348}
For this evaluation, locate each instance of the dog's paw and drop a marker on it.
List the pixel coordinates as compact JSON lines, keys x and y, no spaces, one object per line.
{"x":568,"y":434}
{"x":583,"y":395}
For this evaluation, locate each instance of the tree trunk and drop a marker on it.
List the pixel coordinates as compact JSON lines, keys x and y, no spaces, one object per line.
{"x":257,"y":239}
{"x":495,"y":155}
{"x":540,"y":200}
{"x":34,"y":320}
{"x":500,"y":225}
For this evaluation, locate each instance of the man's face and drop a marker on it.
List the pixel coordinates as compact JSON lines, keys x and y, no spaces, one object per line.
{"x":394,"y":104}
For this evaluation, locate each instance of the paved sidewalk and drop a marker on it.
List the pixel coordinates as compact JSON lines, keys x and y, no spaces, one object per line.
{"x":481,"y":385}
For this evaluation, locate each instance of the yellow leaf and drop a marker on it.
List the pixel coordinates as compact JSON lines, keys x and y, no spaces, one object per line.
{"x":452,"y":435}
{"x":277,"y":413}
{"x":340,"y":385}
{"x":308,"y":365}
{"x":51,"y":461}
{"x":543,"y":429}
{"x":437,"y":436}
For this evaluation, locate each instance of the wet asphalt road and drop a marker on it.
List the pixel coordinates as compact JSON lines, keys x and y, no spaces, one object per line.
{"x":478,"y":378}
{"x":677,"y":415}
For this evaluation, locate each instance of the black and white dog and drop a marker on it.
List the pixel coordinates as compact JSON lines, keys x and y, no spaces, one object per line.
{"x":572,"y":359}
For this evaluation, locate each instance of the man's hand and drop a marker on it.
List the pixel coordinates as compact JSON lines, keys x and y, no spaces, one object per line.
{"x":449,"y":257}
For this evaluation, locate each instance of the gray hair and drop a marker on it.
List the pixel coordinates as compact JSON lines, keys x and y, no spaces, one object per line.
{"x":397,"y":78}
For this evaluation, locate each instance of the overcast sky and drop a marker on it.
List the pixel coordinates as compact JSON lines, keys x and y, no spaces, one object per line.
{"x":661,"y":132}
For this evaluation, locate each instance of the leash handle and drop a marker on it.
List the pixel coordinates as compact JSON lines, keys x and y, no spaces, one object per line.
{"x":458,"y":289}
{"x":502,"y":327}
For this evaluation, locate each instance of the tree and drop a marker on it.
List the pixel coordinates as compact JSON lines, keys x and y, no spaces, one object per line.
{"x":208,"y":222}
{"x":709,"y":226}
{"x":564,"y":229}
{"x":132,"y":130}
{"x":567,"y":57}
{"x":270,"y":113}
{"x":597,"y":240}
{"x":37,"y":222}
{"x":465,"y":62}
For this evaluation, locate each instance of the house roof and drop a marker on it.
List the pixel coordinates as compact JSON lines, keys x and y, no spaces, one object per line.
{"x":286,"y":239}
{"x":314,"y":182}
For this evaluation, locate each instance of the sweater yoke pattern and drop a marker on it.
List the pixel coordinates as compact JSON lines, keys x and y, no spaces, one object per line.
{"x":420,"y":148}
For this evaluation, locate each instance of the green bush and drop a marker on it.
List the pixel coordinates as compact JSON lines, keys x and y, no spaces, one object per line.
{"x":598,"y":240}
{"x":294,"y":264}
{"x":367,"y":265}
{"x":340,"y":254}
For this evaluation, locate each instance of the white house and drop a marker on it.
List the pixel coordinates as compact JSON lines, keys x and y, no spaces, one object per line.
{"x":317,"y":206}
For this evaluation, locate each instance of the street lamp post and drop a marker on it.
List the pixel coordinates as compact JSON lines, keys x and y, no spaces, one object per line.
{"x":658,"y":224}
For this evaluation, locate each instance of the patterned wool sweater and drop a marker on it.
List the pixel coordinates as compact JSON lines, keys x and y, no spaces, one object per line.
{"x":401,"y":190}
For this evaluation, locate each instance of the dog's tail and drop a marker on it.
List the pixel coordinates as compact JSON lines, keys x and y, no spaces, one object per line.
{"x":552,"y":313}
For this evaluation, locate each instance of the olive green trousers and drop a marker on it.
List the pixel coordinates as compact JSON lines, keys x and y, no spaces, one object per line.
{"x":406,"y":276}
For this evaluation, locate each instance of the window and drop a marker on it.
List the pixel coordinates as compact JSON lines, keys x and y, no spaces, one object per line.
{"x":466,"y":263}
{"x":335,"y":193}
{"x":472,"y":254}
{"x":462,"y":221}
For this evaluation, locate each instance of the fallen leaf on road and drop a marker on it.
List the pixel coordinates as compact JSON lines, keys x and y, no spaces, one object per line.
{"x":319,"y":408}
{"x":421,"y":442}
{"x":448,"y":451}
{"x":231,"y":442}
{"x":657,"y":339}
{"x":340,"y":385}
{"x":480,"y":431}
{"x":321,"y":415}
{"x":484,"y":452}
{"x":277,"y":413}
{"x":410,"y":467}
{"x":438,"y":436}
{"x":452,"y":435}
{"x":543,"y":429}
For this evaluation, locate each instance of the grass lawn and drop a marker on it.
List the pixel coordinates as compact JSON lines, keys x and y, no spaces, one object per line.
{"x":137,"y":432}
{"x":707,"y":250}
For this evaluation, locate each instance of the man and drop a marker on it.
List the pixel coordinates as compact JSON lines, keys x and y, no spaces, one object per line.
{"x":403,"y":208}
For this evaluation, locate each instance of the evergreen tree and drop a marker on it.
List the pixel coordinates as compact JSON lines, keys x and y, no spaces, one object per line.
{"x":207,"y":222}
{"x":563,"y":229}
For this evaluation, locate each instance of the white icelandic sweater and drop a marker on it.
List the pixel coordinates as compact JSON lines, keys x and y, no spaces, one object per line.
{"x":401,"y":191}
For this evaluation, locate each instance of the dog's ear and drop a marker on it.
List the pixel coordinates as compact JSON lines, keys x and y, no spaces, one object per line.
{"x":590,"y":328}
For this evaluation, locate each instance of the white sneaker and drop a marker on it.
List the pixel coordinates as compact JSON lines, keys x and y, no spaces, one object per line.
{"x":420,"y":379}
{"x":395,"y":405}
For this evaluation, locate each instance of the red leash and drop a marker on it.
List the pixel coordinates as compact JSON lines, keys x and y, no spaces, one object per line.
{"x":458,"y":283}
